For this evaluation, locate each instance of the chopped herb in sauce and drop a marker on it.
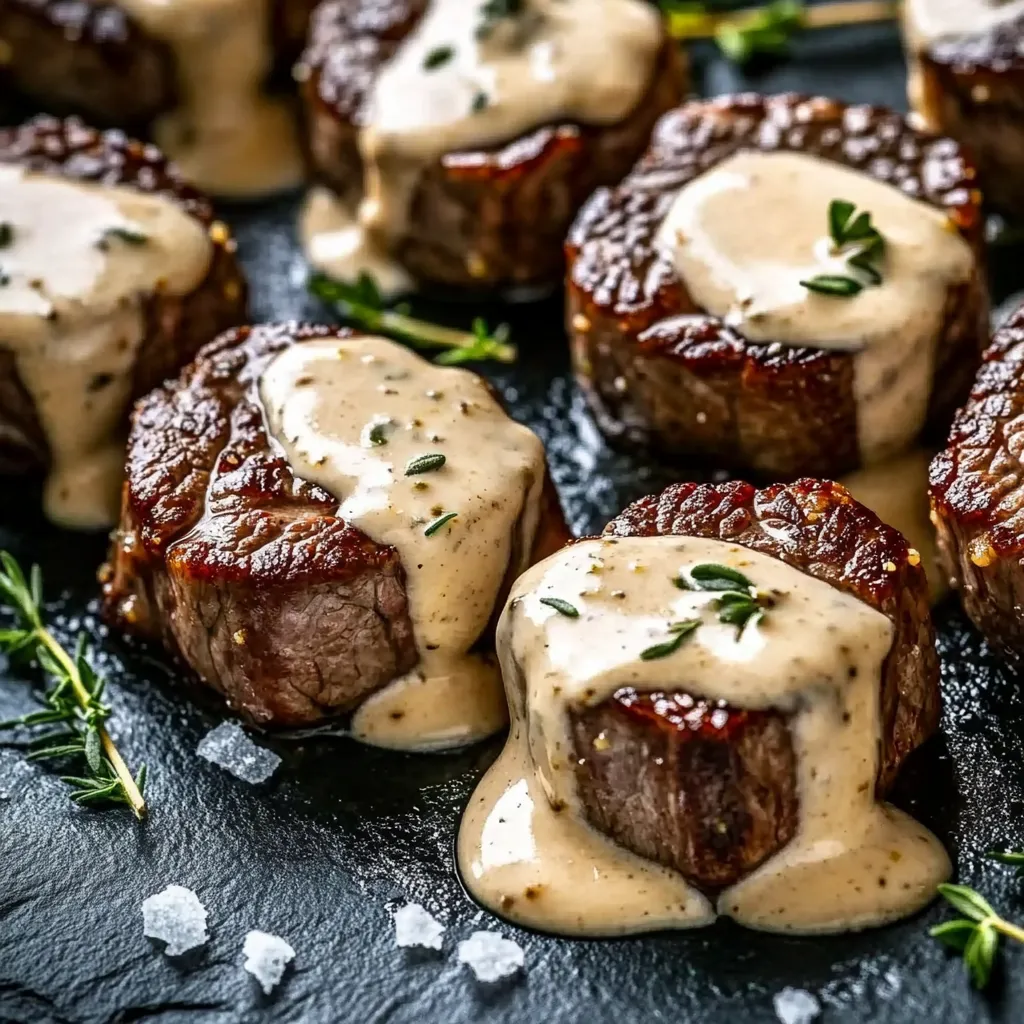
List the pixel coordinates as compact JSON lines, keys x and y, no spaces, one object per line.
{"x":377,"y":433}
{"x":425,"y":463}
{"x":493,"y":11}
{"x":126,"y":235}
{"x":682,"y":630}
{"x":739,"y":603}
{"x":560,"y":606}
{"x":712,"y":576}
{"x":854,"y":236}
{"x":438,"y":57}
{"x":480,"y":102}
{"x":6,"y":234}
{"x":4,"y":278}
{"x":435,"y":525}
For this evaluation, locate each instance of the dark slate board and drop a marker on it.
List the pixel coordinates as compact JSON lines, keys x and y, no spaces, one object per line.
{"x":342,"y":832}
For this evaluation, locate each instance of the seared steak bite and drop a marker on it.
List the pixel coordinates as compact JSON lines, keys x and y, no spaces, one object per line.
{"x":106,"y":192}
{"x":967,"y":82}
{"x":658,"y":369}
{"x":976,"y":495}
{"x":257,"y":576}
{"x":718,"y":793}
{"x":480,"y":215}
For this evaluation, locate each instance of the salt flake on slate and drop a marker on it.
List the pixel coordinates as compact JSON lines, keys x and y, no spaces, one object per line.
{"x":266,"y":957}
{"x":414,"y":926}
{"x":490,"y":956}
{"x":795,"y":1006}
{"x":175,"y":916}
{"x":230,"y":748}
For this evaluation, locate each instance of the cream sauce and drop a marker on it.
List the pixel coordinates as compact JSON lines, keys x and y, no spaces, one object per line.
{"x":80,"y":260}
{"x":897,"y":492}
{"x":351,"y":415}
{"x":927,"y":21}
{"x":853,"y":862}
{"x":751,"y":278}
{"x":226,"y":136}
{"x":455,"y":84}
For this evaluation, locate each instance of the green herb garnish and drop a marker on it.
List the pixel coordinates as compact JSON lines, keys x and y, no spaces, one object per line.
{"x":833,"y":284}
{"x":123,"y":234}
{"x":682,"y":630}
{"x":377,"y":433}
{"x":425,"y":463}
{"x":976,"y":934}
{"x":436,"y":524}
{"x":563,"y":607}
{"x":480,"y":102}
{"x":361,"y":302}
{"x":854,"y":236}
{"x":73,"y":705}
{"x":437,"y":57}
{"x":493,"y":11}
{"x":6,"y":234}
{"x":739,"y":603}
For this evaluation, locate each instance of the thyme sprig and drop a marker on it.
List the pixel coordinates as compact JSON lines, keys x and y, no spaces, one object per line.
{"x":361,"y":302}
{"x":739,"y":603}
{"x":680,"y":631}
{"x":860,"y":242}
{"x":74,"y":703}
{"x":769,"y":29}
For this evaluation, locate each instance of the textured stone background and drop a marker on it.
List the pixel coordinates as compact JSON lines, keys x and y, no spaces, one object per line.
{"x":342,"y":832}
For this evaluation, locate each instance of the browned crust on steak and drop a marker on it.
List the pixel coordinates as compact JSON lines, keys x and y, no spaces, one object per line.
{"x":176,"y":326}
{"x":243,"y":569}
{"x":977,"y":497}
{"x":972,"y":89}
{"x":92,"y":58}
{"x":659,"y":371}
{"x":484,"y":219}
{"x":708,"y":789}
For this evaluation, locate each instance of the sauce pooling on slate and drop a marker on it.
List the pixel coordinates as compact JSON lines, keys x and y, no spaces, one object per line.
{"x":424,"y":459}
{"x":76,"y":264}
{"x":462,"y":79}
{"x":751,"y":276}
{"x":226,"y":136}
{"x":816,"y":655}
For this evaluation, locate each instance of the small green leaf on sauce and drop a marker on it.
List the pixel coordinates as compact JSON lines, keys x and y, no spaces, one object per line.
{"x":126,"y":235}
{"x":480,"y":102}
{"x":425,"y":463}
{"x":712,"y":576}
{"x":1012,"y":857}
{"x":560,"y":606}
{"x":4,"y":279}
{"x":376,"y":432}
{"x":6,"y":234}
{"x":436,"y":524}
{"x":437,"y":57}
{"x":835,"y":285}
{"x":681,"y":630}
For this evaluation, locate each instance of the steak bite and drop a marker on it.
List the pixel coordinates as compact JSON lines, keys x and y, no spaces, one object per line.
{"x":976,"y":495}
{"x":696,"y":334}
{"x":462,"y":184}
{"x":190,"y":74}
{"x":967,"y":81}
{"x":725,"y":683}
{"x":114,"y":274}
{"x":301,"y":552}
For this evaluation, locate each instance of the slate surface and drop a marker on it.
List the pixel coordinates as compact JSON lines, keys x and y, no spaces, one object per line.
{"x":343,"y":832}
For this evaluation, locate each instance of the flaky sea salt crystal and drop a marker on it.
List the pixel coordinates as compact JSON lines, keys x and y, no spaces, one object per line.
{"x":490,"y":956}
{"x":175,"y":916}
{"x":796,"y":1006}
{"x":414,"y":926}
{"x":266,"y":957}
{"x":230,"y":748}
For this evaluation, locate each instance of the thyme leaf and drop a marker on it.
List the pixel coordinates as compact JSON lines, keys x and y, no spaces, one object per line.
{"x":681,"y":631}
{"x":833,"y":284}
{"x":6,"y":234}
{"x":438,"y":57}
{"x":127,"y":235}
{"x":436,"y":524}
{"x":562,"y":607}
{"x":854,"y":236}
{"x":712,"y":576}
{"x":74,"y":700}
{"x":425,"y":463}
{"x":360,"y":302}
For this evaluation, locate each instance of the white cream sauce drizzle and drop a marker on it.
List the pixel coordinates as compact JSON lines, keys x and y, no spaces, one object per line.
{"x":71,"y":313}
{"x":897,"y":492}
{"x":325,"y":402}
{"x":745,"y":234}
{"x":226,"y":136}
{"x":853,"y":862}
{"x":585,"y":61}
{"x":927,"y":21}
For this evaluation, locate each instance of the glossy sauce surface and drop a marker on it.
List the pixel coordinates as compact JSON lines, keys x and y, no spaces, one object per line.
{"x":460,"y":81}
{"x":353,"y":416}
{"x":78,"y":263}
{"x":226,"y":136}
{"x":816,"y":655}
{"x":745,"y":234}
{"x":927,"y":21}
